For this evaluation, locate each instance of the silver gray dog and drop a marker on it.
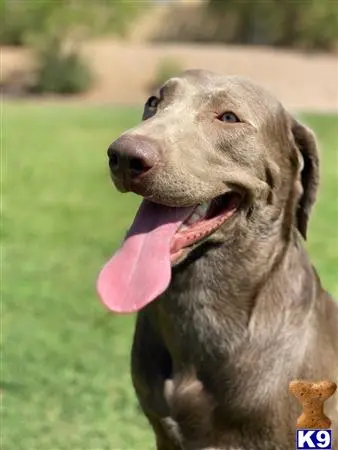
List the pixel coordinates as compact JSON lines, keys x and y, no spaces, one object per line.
{"x":230,"y":309}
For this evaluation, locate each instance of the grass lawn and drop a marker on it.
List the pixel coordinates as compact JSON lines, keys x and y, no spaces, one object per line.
{"x":66,"y":381}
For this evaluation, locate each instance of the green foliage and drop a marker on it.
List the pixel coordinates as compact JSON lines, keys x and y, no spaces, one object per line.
{"x":48,"y":26}
{"x":59,"y":70}
{"x":19,"y":19}
{"x":311,"y":24}
{"x":13,"y":23}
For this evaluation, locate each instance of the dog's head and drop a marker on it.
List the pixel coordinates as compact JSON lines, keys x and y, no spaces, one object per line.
{"x":214,"y":157}
{"x":225,"y":147}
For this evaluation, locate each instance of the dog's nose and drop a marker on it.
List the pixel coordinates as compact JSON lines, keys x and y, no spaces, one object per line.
{"x":130,"y":157}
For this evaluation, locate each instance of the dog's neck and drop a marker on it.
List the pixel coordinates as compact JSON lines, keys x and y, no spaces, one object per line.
{"x":227,"y":318}
{"x":211,"y":302}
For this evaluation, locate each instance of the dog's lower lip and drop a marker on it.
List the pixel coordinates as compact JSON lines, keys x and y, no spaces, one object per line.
{"x":213,"y":217}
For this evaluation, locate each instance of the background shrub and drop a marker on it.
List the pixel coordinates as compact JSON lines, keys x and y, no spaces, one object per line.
{"x":311,"y":24}
{"x":304,"y":24}
{"x":49,"y":27}
{"x":167,"y":68}
{"x":21,"y":18}
{"x":59,"y":70}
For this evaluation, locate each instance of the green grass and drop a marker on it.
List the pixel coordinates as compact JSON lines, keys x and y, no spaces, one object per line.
{"x":66,"y":382}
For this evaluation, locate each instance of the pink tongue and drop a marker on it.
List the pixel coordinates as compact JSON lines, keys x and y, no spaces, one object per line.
{"x":140,"y":270}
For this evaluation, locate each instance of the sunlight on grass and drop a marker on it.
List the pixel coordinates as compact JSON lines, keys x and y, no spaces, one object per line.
{"x":66,"y":364}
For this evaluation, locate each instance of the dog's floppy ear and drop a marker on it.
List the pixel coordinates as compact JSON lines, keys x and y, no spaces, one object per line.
{"x":307,"y":150}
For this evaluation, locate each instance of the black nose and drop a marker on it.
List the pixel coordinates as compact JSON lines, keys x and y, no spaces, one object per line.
{"x":132,"y":156}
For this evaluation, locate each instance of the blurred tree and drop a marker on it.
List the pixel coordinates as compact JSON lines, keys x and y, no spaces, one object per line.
{"x":54,"y":29}
{"x":290,"y":23}
{"x":21,"y":19}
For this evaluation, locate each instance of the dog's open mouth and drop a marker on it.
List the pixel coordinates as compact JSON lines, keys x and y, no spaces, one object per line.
{"x":203,"y":221}
{"x":140,"y":271}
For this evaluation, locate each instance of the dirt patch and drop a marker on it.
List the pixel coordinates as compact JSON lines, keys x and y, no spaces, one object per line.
{"x":124,"y":70}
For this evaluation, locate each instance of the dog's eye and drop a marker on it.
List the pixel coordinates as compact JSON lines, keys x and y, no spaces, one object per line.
{"x":229,"y":117}
{"x":153,"y":102}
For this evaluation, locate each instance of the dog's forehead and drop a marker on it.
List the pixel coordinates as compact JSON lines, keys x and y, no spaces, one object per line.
{"x":204,"y":86}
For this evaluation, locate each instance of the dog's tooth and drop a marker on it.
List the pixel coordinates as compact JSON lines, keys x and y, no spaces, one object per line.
{"x":202,"y":209}
{"x":192,"y":219}
{"x":198,"y":214}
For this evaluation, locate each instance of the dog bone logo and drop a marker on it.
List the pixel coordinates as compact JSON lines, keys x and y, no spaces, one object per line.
{"x":312,"y":397}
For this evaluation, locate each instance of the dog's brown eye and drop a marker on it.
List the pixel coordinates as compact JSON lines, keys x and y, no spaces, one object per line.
{"x":153,"y":102}
{"x":229,"y":117}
